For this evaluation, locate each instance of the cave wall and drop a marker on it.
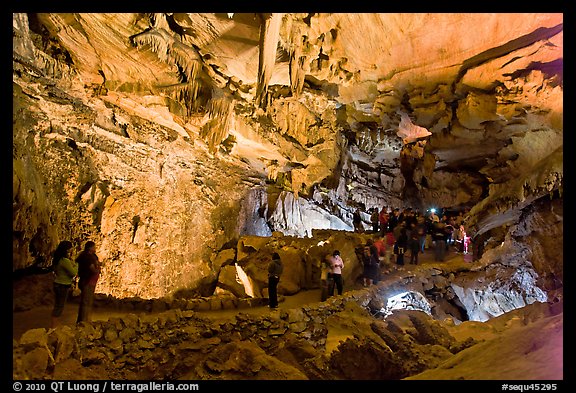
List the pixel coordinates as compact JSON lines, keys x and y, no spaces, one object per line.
{"x":156,"y":213}
{"x":147,"y":139}
{"x":521,"y":263}
{"x":541,"y":229}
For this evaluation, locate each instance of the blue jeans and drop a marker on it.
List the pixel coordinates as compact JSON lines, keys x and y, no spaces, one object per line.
{"x":422,"y":242}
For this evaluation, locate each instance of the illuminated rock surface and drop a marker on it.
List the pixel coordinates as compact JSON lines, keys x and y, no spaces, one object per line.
{"x":189,"y":146}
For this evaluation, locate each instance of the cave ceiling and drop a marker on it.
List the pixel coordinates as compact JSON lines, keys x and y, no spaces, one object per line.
{"x":478,"y":94}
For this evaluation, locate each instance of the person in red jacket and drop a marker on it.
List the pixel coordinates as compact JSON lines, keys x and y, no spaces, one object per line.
{"x":390,"y":241}
{"x":88,"y":274}
{"x":383,"y":218}
{"x":380,"y":245}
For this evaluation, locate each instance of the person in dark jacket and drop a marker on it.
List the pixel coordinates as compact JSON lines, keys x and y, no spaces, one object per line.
{"x":275,"y":269}
{"x":371,"y":264}
{"x":439,"y":236}
{"x":357,"y":221}
{"x":394,"y":219}
{"x":375,"y":220}
{"x":414,"y":247}
{"x":401,"y":246}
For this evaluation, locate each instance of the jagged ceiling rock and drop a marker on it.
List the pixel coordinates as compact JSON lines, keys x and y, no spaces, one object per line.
{"x":155,"y":52}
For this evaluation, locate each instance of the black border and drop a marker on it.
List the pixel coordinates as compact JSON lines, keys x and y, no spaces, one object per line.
{"x":314,"y":6}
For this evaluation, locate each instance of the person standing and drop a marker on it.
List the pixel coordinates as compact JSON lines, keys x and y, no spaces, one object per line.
{"x":439,"y":237}
{"x":380,"y":245}
{"x":460,"y":236}
{"x":357,"y":221}
{"x":400,"y":246}
{"x":414,"y":247}
{"x":421,"y":232}
{"x":88,"y":274}
{"x":383,"y":221}
{"x":375,"y":220}
{"x":390,"y":241}
{"x":275,"y":269}
{"x":393,"y":220}
{"x":337,"y":264}
{"x":65,"y":270}
{"x":375,"y":263}
{"x":370,"y":262}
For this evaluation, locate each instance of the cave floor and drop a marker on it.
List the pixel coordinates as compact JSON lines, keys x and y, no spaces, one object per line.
{"x":39,"y":317}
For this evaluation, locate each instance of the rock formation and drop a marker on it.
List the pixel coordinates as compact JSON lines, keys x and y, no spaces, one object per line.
{"x":187,"y":144}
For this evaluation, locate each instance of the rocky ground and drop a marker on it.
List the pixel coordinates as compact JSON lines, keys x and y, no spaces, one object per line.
{"x":342,"y":338}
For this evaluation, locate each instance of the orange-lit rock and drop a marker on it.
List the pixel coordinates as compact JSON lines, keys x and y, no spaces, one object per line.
{"x":168,"y":137}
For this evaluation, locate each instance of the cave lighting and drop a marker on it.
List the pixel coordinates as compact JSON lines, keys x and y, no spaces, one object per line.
{"x":408,"y":300}
{"x":244,"y":280}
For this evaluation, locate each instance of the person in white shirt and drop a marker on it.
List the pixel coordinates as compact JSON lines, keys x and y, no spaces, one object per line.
{"x":337,"y":265}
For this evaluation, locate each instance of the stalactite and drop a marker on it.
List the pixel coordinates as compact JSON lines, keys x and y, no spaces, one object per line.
{"x":273,"y":169}
{"x":220,"y":112}
{"x":186,"y":93}
{"x":269,"y":33}
{"x":170,"y":51}
{"x":156,"y":39}
{"x":297,"y":62}
{"x":186,"y":57}
{"x":158,"y":21}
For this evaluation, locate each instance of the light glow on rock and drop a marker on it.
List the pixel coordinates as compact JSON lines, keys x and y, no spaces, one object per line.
{"x":406,"y":301}
{"x":245,"y":280}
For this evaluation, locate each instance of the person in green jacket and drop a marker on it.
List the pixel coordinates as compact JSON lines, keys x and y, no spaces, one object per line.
{"x":65,"y":270}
